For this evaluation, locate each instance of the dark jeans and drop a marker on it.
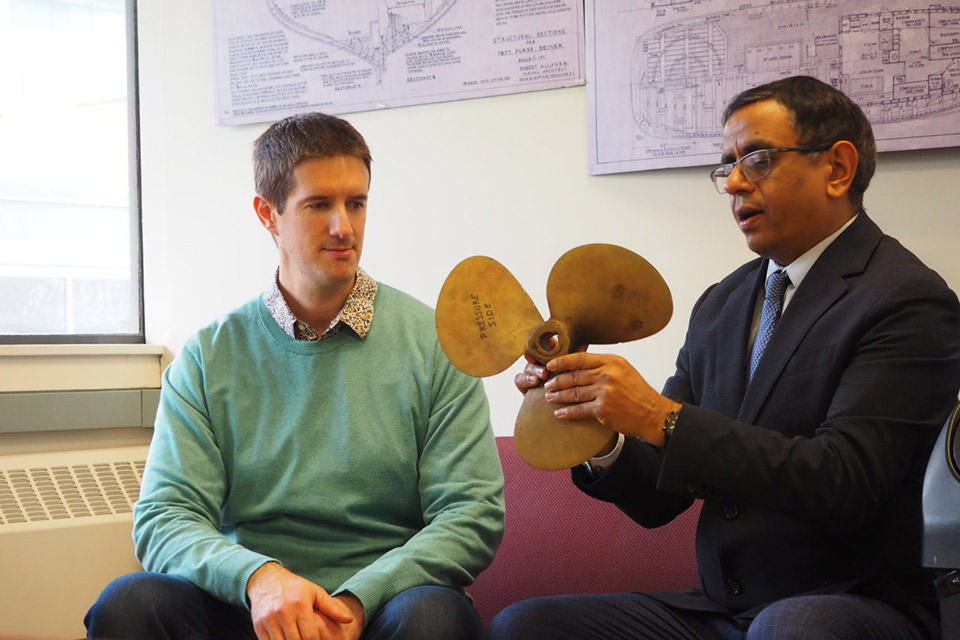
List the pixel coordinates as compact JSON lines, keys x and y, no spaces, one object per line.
{"x":636,"y":616}
{"x":154,"y":606}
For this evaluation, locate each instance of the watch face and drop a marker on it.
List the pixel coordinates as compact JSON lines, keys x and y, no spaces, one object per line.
{"x":670,"y":424}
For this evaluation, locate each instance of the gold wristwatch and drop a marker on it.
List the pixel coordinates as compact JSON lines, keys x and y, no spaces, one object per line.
{"x":670,"y":425}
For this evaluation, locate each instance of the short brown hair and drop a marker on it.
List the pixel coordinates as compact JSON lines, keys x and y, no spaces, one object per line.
{"x":307,"y":135}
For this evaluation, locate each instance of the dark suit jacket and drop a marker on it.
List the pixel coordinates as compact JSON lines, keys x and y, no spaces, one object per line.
{"x":810,"y":474}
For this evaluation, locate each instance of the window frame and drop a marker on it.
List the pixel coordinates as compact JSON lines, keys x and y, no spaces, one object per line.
{"x":136,"y":213}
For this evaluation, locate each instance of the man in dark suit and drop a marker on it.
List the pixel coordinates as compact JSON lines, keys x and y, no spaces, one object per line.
{"x":807,"y":397}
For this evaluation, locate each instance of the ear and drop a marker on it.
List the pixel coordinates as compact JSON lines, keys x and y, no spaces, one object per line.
{"x":266,"y":213}
{"x":844,"y":160}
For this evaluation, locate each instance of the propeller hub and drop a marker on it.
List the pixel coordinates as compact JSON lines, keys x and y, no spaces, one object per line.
{"x":548,"y":341}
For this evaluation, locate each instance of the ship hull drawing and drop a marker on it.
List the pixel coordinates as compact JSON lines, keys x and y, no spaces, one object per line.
{"x":373,"y":32}
{"x":898,"y":65}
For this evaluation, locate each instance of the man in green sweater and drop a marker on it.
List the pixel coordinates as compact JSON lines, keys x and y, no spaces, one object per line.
{"x":319,"y":469}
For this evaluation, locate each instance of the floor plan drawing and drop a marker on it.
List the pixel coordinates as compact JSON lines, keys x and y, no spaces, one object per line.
{"x":899,"y":60}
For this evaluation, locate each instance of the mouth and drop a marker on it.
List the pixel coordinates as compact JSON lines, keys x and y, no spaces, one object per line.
{"x":744,"y":213}
{"x":339,"y":250}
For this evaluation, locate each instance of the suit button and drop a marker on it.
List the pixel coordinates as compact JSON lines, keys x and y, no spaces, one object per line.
{"x":730,"y":512}
{"x":694,"y":488}
{"x":734,"y":587}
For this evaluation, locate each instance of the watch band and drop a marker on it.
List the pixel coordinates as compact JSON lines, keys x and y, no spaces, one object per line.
{"x":670,"y":425}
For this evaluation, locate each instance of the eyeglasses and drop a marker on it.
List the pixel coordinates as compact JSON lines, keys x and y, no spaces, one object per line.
{"x":755,"y":166}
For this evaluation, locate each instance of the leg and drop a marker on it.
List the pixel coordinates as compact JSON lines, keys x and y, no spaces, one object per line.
{"x":614,"y":616}
{"x":154,"y":606}
{"x":841,"y":616}
{"x":425,"y":613}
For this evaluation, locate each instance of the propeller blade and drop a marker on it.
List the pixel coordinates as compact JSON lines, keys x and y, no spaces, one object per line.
{"x":484,"y":317}
{"x":607,"y":294}
{"x":545,"y":442}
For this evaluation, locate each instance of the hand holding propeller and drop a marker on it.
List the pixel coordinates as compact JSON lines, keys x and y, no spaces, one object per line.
{"x":597,"y":294}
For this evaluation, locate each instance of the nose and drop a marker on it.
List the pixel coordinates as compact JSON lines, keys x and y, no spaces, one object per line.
{"x":340,"y":226}
{"x":736,"y":181}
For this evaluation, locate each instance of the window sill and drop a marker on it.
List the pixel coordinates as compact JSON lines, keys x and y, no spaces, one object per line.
{"x":75,"y":367}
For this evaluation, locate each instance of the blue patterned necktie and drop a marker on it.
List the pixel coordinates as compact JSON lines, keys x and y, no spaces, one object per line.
{"x":772,"y":303}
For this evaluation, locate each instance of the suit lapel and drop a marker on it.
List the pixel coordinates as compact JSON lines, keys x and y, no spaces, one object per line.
{"x":821,"y":288}
{"x":809,"y":303}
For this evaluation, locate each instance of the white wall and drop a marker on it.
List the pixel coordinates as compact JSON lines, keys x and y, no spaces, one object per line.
{"x":504,"y":177}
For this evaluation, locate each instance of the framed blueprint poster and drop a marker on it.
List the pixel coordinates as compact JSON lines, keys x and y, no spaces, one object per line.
{"x":274,"y":58}
{"x":661,"y":71}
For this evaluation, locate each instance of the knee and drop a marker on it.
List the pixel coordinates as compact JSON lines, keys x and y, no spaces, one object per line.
{"x":527,"y":619}
{"x":791,"y":619}
{"x":426,"y":613}
{"x":132,"y":592}
{"x":128,"y":602}
{"x":837,"y":616}
{"x":126,"y":593}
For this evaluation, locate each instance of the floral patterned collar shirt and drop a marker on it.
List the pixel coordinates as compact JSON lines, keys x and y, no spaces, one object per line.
{"x":357,"y":311}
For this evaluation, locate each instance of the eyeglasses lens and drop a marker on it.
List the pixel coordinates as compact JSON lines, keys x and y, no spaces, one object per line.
{"x":719,"y":177}
{"x":756,"y":166}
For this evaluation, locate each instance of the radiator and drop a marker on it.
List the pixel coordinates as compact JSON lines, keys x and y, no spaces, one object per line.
{"x":65,"y":523}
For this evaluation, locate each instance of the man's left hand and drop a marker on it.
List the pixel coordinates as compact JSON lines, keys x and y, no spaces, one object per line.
{"x":607,"y":388}
{"x":333,"y":630}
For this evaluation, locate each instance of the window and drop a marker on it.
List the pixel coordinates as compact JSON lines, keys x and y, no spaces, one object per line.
{"x":69,"y":199}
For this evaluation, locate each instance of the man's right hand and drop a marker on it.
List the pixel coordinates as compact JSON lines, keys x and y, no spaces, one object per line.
{"x":285,"y":606}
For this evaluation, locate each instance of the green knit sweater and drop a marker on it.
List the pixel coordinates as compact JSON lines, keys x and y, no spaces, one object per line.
{"x":365,"y":465}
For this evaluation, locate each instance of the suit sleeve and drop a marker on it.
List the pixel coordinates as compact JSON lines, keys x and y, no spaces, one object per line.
{"x":632,"y":482}
{"x":899,"y":377}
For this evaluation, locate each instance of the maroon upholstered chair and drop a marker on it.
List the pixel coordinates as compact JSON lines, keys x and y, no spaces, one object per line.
{"x":560,"y":541}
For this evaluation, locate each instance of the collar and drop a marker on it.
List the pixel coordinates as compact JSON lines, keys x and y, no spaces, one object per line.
{"x":357,"y":311}
{"x":799,"y":268}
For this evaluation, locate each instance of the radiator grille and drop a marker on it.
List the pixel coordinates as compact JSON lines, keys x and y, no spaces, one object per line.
{"x":67,"y":491}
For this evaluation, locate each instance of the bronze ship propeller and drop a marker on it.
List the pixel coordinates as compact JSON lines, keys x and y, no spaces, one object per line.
{"x":597,"y":294}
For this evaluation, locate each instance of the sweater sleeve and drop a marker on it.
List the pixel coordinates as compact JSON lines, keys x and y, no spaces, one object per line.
{"x":461,"y":492}
{"x":178,"y":518}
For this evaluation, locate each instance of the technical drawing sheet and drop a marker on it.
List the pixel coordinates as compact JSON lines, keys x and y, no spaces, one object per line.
{"x":661,"y":71}
{"x":274,"y":58}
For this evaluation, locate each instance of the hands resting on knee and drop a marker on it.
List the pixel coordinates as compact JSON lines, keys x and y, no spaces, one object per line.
{"x":285,"y":606}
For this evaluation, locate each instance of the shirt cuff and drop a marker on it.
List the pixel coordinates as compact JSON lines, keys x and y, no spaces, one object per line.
{"x":598,"y":465}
